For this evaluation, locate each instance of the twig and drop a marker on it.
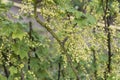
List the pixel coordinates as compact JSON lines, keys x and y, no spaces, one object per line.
{"x":56,"y":37}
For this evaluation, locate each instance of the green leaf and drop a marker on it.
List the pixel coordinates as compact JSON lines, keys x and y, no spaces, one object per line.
{"x":21,"y":49}
{"x":18,"y":34}
{"x":80,"y":22}
{"x":18,"y":31}
{"x":2,"y":77}
{"x":13,"y":70}
{"x":90,"y":19}
{"x":34,"y":63}
{"x":6,"y":29}
{"x":78,"y":14}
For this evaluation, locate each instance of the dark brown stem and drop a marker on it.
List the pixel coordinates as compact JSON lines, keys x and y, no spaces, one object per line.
{"x":94,"y":59}
{"x":22,"y":75}
{"x":108,"y":38}
{"x":63,"y":74}
{"x":94,"y":64}
{"x":107,"y":29}
{"x":30,"y":36}
{"x":6,"y":71}
{"x":59,"y":69}
{"x":109,"y":51}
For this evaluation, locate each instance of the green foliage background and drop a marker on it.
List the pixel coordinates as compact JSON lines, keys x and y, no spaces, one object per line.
{"x":81,"y":43}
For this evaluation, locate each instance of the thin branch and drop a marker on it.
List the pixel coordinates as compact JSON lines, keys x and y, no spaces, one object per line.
{"x":30,"y":36}
{"x":59,"y":68}
{"x":56,"y":37}
{"x":44,"y":24}
{"x":107,"y":24}
{"x":22,"y":75}
{"x":6,"y":71}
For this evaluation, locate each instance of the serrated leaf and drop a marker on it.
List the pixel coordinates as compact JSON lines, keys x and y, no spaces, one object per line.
{"x":78,"y":14}
{"x":6,"y":29}
{"x":18,"y":34}
{"x":90,"y":19}
{"x":18,"y":31}
{"x":21,"y":49}
{"x":80,"y":22}
{"x":13,"y":70}
{"x":34,"y":63}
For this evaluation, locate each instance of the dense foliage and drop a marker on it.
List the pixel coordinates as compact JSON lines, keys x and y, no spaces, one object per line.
{"x":82,"y":41}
